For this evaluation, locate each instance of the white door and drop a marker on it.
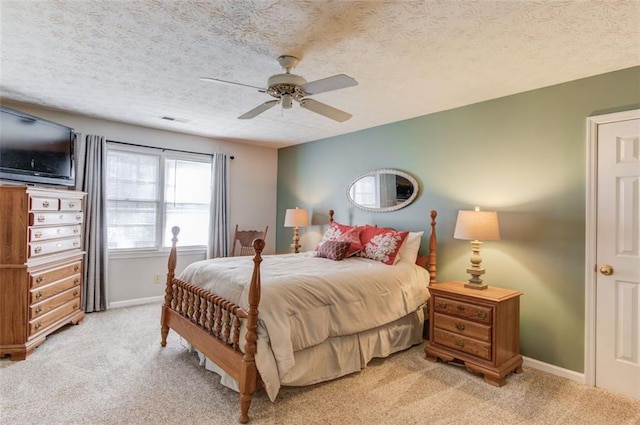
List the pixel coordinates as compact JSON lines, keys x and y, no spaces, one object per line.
{"x":617,"y":281}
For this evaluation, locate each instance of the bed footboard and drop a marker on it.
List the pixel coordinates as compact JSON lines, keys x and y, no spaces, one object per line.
{"x":212,"y":325}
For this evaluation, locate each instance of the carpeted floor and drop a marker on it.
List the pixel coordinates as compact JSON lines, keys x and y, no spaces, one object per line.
{"x":112,"y":370}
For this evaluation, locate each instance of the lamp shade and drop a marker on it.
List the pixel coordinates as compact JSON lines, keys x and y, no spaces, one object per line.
{"x":477,"y":225}
{"x":296,"y":217}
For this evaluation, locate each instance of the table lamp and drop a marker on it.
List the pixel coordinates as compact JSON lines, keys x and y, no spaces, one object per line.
{"x":477,"y":226}
{"x":296,"y":218}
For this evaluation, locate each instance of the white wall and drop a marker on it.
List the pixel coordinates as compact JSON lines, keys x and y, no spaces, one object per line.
{"x":252,"y":200}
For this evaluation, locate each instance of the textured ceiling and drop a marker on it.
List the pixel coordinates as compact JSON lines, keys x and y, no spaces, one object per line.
{"x":137,"y":61}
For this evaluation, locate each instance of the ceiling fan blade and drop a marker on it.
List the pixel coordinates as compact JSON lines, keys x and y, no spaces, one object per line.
{"x":216,"y":80}
{"x":258,"y":110}
{"x":340,"y":81}
{"x":324,"y":109}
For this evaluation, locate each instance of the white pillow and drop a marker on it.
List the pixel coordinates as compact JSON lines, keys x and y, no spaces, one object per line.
{"x":410,"y":247}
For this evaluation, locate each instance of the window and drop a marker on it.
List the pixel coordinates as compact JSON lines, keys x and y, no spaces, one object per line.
{"x":149,"y":192}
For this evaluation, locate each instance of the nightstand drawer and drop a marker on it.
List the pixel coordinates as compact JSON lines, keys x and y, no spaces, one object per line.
{"x":462,"y":343}
{"x":461,"y":309}
{"x":462,"y":327}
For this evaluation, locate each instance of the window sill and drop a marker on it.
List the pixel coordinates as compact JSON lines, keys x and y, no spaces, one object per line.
{"x":164,"y":253}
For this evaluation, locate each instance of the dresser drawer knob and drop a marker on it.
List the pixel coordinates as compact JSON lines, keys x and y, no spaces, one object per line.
{"x":76,"y":268}
{"x":40,"y":218}
{"x":441,"y":305}
{"x":78,"y":217}
{"x":37,"y":235}
{"x":460,"y":326}
{"x":38,"y":325}
{"x":76,"y":280}
{"x":76,"y":243}
{"x":75,"y":293}
{"x":38,"y":310}
{"x":39,"y":279}
{"x":76,"y":231}
{"x":71,"y":204}
{"x":75,"y":305}
{"x":45,"y":204}
{"x":459,"y":343}
{"x":38,"y":295}
{"x":37,"y":249}
{"x":481,"y":315}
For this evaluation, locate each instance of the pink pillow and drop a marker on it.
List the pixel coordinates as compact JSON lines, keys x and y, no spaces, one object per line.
{"x":342,"y":233}
{"x":381,"y":244}
{"x":333,"y":250}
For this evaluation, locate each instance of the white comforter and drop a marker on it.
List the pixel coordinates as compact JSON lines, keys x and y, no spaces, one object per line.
{"x":306,"y":300}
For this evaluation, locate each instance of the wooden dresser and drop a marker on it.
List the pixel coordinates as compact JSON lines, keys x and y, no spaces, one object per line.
{"x":480,"y":328}
{"x":40,"y":265}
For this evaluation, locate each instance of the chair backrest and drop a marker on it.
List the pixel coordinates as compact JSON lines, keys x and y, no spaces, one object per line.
{"x":245,"y":238}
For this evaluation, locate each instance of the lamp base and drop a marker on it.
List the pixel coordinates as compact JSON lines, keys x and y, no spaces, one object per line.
{"x":475,"y":285}
{"x":475,"y":282}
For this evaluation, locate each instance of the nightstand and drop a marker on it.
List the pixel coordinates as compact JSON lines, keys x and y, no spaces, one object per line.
{"x":480,"y":328}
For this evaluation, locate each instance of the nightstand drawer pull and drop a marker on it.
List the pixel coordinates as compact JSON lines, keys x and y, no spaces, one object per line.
{"x":481,"y":315}
{"x":460,"y":326}
{"x":442,"y":305}
{"x":459,"y":343}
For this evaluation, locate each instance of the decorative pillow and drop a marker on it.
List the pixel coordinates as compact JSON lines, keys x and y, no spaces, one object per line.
{"x":410,"y":247}
{"x":381,"y":244}
{"x":333,"y":250}
{"x":342,"y":233}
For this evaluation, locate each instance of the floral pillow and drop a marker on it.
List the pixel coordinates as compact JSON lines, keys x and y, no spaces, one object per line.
{"x":342,"y":233}
{"x":333,"y":250}
{"x":381,"y":244}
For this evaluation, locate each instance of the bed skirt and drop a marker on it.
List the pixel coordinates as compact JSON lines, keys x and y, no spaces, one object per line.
{"x":339,"y":356}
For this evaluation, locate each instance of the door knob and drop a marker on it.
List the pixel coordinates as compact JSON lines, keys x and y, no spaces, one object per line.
{"x":606,"y":270}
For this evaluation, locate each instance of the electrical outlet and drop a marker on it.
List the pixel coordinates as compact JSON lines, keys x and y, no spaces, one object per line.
{"x":156,"y":278}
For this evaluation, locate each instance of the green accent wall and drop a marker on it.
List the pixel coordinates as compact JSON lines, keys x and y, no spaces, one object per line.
{"x":522,"y":155}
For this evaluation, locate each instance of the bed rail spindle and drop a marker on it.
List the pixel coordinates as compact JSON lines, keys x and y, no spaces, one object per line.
{"x":227,"y":324}
{"x":211,"y":311}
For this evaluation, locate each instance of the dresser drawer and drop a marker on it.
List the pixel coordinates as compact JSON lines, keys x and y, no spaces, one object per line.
{"x":462,"y":327}
{"x":44,"y":204}
{"x":70,"y":204}
{"x":45,"y":233}
{"x":51,"y":247}
{"x":51,"y":275}
{"x":473,"y":312}
{"x":462,"y":343}
{"x":41,"y":323}
{"x":50,"y":304}
{"x":40,"y":294}
{"x":54,"y":218}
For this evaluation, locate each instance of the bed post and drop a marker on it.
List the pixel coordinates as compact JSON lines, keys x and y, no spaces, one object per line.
{"x":432,"y":249}
{"x":171,"y":267}
{"x":249,"y":372}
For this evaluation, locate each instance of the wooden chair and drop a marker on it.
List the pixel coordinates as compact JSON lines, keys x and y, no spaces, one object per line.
{"x":246,"y":238}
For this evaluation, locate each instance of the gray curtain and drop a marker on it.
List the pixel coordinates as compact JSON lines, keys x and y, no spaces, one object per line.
{"x":91,"y":160}
{"x":219,"y":217}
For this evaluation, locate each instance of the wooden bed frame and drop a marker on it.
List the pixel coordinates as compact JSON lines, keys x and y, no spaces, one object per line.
{"x":212,"y":324}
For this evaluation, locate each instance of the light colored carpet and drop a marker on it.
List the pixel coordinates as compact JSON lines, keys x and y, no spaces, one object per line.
{"x":112,"y":370}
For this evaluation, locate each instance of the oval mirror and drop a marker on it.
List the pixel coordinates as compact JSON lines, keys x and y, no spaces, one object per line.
{"x":383,"y":190}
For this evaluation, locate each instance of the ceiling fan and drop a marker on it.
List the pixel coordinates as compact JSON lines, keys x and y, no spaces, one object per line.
{"x":287,"y":88}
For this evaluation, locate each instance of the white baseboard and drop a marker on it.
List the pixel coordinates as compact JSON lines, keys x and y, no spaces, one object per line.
{"x":554,"y":370}
{"x":137,"y":301}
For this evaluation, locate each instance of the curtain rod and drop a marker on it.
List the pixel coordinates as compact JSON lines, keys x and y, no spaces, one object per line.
{"x":162,"y":149}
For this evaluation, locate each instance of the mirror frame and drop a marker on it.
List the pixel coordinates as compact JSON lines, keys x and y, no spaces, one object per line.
{"x":414,"y":195}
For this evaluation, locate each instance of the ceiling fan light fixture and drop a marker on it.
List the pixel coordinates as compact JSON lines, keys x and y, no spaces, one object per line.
{"x":287,"y":101}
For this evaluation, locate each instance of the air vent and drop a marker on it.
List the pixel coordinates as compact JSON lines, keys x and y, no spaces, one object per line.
{"x":174,"y":119}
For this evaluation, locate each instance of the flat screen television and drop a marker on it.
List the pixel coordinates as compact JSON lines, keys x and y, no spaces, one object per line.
{"x":35,"y":150}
